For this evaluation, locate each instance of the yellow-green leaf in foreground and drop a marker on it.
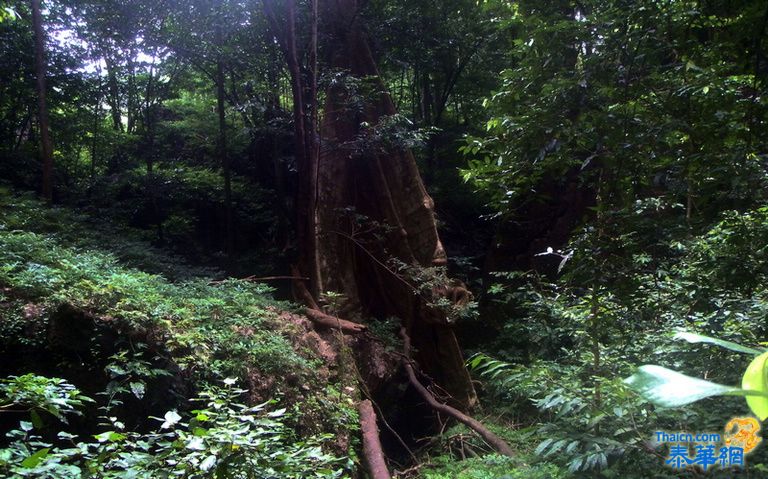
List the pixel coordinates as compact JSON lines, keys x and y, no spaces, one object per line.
{"x":756,"y":379}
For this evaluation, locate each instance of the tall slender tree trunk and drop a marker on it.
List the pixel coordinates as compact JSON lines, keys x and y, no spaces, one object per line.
{"x":114,"y":93}
{"x":270,"y":113}
{"x":46,"y":146}
{"x":305,"y":137}
{"x":131,"y":93}
{"x":313,"y":156}
{"x":224,"y":157}
{"x":96,"y":121}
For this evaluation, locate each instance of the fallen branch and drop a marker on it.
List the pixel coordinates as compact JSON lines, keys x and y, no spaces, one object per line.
{"x":374,"y":455}
{"x":323,"y":319}
{"x":257,"y":279}
{"x":498,"y":443}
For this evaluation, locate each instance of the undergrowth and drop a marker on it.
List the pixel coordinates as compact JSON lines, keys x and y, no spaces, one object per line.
{"x":22,"y":211}
{"x":221,"y":438}
{"x":219,"y":327}
{"x":54,"y":269}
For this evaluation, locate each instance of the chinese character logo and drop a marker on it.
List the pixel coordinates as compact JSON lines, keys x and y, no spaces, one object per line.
{"x":707,"y":450}
{"x":742,"y":432}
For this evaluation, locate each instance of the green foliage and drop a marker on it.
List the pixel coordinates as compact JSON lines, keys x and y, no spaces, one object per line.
{"x":392,"y":133}
{"x":387,"y":331}
{"x":621,"y":298}
{"x":36,"y":394}
{"x":668,"y":388}
{"x":433,"y":284}
{"x":223,"y":326}
{"x":490,"y":466}
{"x":88,"y":232}
{"x":208,"y":329}
{"x":627,"y":88}
{"x":129,"y":373}
{"x":581,"y":432}
{"x":223,"y":439}
{"x":755,"y":381}
{"x":7,"y":13}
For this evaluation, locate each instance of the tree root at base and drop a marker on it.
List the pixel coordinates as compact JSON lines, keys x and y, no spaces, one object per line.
{"x":329,"y":321}
{"x":498,"y":443}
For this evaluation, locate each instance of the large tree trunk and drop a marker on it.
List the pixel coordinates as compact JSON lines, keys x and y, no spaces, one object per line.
{"x":46,"y":146}
{"x":384,"y":192}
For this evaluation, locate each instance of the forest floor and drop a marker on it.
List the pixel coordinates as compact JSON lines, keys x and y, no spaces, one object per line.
{"x":143,"y":331}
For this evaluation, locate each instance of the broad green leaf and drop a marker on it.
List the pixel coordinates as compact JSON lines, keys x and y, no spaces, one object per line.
{"x":668,"y":388}
{"x":36,"y":419}
{"x":699,"y":338}
{"x":35,"y":459}
{"x":109,"y":436}
{"x":543,"y":445}
{"x":756,"y":378}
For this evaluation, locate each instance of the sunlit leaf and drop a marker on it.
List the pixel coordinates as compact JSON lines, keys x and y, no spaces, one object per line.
{"x":699,"y":338}
{"x":756,"y":378}
{"x":208,"y":463}
{"x":35,"y":459}
{"x":138,"y":389}
{"x":171,"y":418}
{"x":196,"y":443}
{"x":667,"y":388}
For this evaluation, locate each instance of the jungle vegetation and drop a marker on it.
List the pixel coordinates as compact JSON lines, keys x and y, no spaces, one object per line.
{"x":377,"y":238}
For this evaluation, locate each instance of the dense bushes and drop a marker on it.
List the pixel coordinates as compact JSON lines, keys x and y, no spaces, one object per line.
{"x":139,"y":343}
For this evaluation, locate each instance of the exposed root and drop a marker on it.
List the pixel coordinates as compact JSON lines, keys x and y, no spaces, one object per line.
{"x":323,"y":319}
{"x":374,"y":455}
{"x":300,"y":290}
{"x":498,"y":443}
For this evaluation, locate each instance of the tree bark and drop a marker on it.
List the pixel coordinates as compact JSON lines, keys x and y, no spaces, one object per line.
{"x":384,"y":189}
{"x":46,"y":146}
{"x":131,"y":92}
